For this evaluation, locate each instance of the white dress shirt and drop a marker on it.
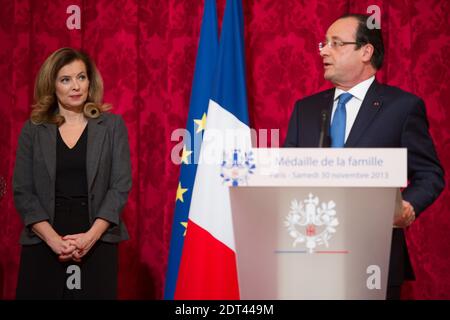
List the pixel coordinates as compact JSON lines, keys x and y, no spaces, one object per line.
{"x":354,"y":104}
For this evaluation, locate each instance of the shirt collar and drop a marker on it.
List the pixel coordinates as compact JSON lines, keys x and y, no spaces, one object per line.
{"x":359,"y":91}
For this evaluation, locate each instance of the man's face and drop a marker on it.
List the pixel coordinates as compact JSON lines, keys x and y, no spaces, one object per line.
{"x":342,"y":64}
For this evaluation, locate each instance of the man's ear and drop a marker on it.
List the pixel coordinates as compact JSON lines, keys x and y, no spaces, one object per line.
{"x":367,"y":52}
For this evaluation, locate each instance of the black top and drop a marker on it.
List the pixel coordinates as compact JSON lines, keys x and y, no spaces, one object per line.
{"x":71,"y":179}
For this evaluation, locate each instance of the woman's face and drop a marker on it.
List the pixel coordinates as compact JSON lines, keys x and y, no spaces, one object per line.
{"x":72,"y":86}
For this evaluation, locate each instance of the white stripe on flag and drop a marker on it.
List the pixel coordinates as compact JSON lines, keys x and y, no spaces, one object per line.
{"x":210,"y":205}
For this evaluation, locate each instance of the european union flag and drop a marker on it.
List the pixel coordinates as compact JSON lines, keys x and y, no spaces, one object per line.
{"x":200,"y":95}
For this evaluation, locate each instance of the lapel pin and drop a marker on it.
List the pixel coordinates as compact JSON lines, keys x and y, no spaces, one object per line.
{"x":376,"y":104}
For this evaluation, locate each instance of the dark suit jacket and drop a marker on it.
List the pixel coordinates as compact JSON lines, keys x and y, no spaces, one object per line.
{"x":388,"y":118}
{"x":108,"y":172}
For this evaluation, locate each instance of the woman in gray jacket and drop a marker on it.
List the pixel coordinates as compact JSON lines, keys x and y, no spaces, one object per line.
{"x":71,"y":181}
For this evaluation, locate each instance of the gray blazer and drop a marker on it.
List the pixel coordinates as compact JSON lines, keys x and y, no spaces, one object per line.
{"x":108,"y":172}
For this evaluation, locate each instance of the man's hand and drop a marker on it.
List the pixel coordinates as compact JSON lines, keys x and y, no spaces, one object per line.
{"x":407,"y":216}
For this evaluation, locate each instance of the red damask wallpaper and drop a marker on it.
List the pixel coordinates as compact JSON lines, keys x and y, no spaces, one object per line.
{"x":146,"y":50}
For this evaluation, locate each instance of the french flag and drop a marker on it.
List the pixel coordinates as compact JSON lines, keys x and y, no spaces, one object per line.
{"x":208,"y":262}
{"x":207,"y":52}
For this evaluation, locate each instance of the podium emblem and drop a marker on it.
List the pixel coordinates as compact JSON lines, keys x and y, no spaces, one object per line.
{"x":236,"y":167}
{"x":310,"y":224}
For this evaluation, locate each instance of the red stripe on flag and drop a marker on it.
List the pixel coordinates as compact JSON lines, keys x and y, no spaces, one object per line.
{"x":207,"y":269}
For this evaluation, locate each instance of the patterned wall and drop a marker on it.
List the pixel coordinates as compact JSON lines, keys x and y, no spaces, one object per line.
{"x":146,"y":50}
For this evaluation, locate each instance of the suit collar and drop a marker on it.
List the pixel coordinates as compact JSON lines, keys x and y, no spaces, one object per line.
{"x":329,"y":99}
{"x":371,"y":105}
{"x":47,"y":139}
{"x":359,"y":91}
{"x":96,"y":136}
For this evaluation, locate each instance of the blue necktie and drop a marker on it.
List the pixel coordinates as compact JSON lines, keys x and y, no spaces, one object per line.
{"x":337,"y":130}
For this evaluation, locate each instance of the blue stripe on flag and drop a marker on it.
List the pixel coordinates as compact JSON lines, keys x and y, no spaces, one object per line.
{"x":200,"y":95}
{"x":229,"y":89}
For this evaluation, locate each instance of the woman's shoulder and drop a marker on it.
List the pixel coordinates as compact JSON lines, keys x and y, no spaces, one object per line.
{"x":111,"y":119}
{"x":33,"y":126}
{"x":29,"y":130}
{"x":29,"y":126}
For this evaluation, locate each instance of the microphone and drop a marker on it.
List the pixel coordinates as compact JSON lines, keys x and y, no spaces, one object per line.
{"x":323,"y":138}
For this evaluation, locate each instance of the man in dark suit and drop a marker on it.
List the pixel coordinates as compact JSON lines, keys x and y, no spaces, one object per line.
{"x":362,"y":113}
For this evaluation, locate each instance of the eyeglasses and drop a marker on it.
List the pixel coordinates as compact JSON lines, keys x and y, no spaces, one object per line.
{"x":333,"y":44}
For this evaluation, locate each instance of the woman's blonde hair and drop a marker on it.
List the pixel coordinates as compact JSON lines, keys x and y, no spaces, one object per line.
{"x":45,"y":107}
